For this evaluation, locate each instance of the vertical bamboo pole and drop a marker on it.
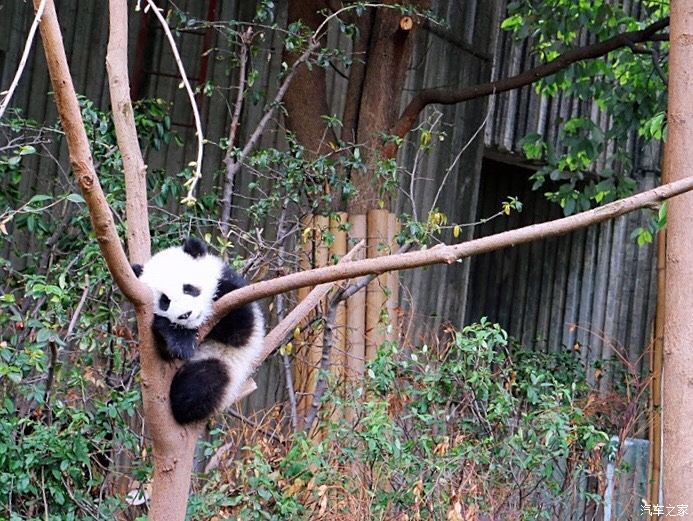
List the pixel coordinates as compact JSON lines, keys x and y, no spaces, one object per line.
{"x":655,"y":427}
{"x":392,"y":280}
{"x":301,"y":364}
{"x":338,"y":358}
{"x":356,"y":313}
{"x":376,"y":299}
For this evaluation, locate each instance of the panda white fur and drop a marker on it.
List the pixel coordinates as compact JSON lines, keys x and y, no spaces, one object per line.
{"x":185,"y":281}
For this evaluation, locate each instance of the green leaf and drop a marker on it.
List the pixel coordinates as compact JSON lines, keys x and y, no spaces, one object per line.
{"x":75,"y":198}
{"x":43,"y":335}
{"x":39,"y":198}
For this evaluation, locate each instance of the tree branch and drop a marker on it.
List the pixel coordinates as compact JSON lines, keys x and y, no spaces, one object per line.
{"x":446,"y":253}
{"x":82,"y":164}
{"x":197,"y":173}
{"x":323,"y":370}
{"x":437,"y":255}
{"x":173,"y":445}
{"x":451,"y":96}
{"x":139,"y":241}
{"x":233,"y":165}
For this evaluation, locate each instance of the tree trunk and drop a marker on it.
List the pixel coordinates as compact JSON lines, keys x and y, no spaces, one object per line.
{"x":391,"y":41}
{"x":678,"y":328}
{"x":382,"y":50}
{"x":306,"y":99}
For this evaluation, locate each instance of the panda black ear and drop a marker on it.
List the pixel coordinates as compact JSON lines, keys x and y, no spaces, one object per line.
{"x":137,"y":268}
{"x":194,"y":247}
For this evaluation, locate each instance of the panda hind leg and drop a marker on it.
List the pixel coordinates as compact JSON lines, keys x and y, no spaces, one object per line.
{"x":198,"y":389}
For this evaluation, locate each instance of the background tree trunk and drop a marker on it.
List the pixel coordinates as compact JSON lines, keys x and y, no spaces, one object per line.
{"x":390,"y":44}
{"x":306,"y":99}
{"x":382,"y":51}
{"x":678,"y":328}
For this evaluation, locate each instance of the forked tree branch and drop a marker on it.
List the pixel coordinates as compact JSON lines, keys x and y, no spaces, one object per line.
{"x":81,"y":160}
{"x":446,"y":96}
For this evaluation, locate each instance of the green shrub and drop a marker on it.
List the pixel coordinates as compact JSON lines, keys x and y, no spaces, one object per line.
{"x":479,"y":425}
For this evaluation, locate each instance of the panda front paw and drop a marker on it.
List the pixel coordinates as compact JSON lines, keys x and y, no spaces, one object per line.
{"x":182,"y":347}
{"x":174,"y":342}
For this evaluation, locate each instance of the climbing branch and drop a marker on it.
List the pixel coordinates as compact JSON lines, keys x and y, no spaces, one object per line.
{"x":446,"y":96}
{"x":445,"y":253}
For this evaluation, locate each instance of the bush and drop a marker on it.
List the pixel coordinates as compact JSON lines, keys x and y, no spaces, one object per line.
{"x":479,"y":426}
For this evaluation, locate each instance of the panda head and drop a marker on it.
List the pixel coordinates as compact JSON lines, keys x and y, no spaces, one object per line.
{"x":183,"y":281}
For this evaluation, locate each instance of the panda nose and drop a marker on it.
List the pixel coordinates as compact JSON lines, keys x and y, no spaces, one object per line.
{"x":184,"y":315}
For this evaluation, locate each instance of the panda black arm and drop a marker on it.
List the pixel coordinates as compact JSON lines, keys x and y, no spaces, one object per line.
{"x":173,"y":341}
{"x":236,"y":327}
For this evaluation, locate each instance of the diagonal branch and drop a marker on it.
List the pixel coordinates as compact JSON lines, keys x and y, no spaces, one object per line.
{"x":446,"y":96}
{"x":447,"y":253}
{"x":437,"y":255}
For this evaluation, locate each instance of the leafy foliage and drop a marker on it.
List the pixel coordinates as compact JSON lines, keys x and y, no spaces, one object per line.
{"x":70,"y":425}
{"x":591,"y":159}
{"x":479,"y":426}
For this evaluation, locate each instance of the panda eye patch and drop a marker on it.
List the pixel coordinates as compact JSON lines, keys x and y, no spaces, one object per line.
{"x":191,"y":290}
{"x":164,"y":302}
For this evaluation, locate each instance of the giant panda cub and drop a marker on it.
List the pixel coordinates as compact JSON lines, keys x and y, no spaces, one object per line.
{"x":185,"y":281}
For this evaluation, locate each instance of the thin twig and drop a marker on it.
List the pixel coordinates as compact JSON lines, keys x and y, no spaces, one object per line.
{"x":227,"y":197}
{"x":215,"y":460}
{"x":22,"y":62}
{"x":280,"y":301}
{"x":43,"y":493}
{"x":78,"y":309}
{"x":197,"y":174}
{"x":321,"y":385}
{"x":458,"y":156}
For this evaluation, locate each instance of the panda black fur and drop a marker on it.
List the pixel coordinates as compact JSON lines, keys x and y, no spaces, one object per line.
{"x":185,"y":281}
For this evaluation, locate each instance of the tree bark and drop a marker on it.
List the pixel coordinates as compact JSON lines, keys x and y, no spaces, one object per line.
{"x":678,"y":325}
